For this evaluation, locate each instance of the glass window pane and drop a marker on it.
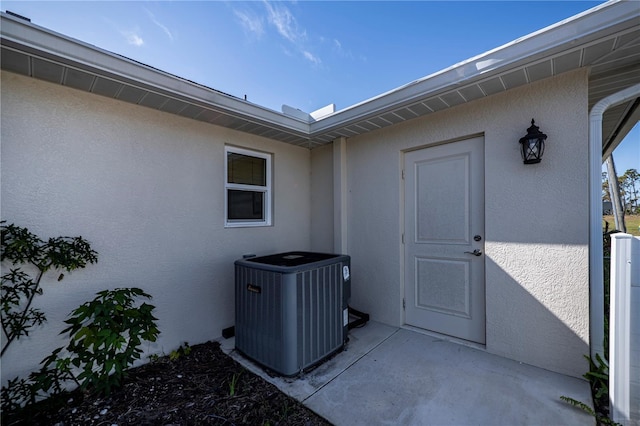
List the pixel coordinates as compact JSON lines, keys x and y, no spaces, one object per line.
{"x":245,"y":205}
{"x":246,"y":170}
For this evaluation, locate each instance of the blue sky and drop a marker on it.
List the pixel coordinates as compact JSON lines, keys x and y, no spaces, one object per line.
{"x":301,"y":53}
{"x":627,"y":154}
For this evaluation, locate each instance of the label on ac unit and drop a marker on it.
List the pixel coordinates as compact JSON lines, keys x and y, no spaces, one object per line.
{"x":345,"y":317}
{"x":345,"y":272}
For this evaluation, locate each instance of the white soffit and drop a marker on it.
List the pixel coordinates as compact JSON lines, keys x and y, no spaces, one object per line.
{"x":606,"y":39}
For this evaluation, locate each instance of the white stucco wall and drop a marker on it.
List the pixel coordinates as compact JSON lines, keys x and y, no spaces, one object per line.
{"x":536,"y":226}
{"x":147,"y":190}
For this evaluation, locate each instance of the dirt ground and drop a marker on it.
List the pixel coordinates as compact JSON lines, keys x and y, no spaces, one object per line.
{"x":205,"y":387}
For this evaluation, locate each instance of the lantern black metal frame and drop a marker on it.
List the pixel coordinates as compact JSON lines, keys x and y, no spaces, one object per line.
{"x":532,"y":145}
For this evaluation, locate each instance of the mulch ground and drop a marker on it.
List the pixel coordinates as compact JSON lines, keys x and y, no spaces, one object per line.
{"x":205,"y":387}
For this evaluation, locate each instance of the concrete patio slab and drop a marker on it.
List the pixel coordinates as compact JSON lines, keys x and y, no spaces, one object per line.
{"x":361,"y":342}
{"x":388,"y":375}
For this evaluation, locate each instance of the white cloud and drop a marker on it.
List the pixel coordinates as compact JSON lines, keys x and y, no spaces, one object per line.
{"x":159,"y":24}
{"x":133,"y":38}
{"x":284,"y":21}
{"x":311,"y":57}
{"x":253,"y":24}
{"x":345,"y":53}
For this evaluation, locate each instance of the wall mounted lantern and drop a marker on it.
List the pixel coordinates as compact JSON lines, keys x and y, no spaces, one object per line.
{"x":532,"y":145}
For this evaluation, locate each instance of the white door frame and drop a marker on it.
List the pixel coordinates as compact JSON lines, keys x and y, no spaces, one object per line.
{"x":403,"y":228}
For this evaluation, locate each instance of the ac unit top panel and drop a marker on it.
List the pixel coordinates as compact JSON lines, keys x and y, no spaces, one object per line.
{"x":292,"y":261}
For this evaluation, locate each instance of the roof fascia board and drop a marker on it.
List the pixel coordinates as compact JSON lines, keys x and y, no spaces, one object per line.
{"x":60,"y":48}
{"x":569,"y":34}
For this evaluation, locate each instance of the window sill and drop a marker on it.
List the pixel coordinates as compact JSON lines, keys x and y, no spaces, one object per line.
{"x":247,"y":225}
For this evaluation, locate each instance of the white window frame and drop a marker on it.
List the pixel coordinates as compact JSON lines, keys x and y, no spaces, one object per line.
{"x":238,"y":223}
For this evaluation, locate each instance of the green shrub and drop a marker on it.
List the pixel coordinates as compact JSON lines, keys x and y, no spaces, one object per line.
{"x":19,"y":288}
{"x":105,"y":336}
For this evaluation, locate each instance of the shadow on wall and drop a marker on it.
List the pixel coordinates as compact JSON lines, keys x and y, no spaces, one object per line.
{"x":537,"y":329}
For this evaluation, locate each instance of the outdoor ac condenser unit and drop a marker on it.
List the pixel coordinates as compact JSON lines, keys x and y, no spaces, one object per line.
{"x":291,"y":308}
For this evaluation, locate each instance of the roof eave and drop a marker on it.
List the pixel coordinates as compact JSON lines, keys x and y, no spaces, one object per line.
{"x":563,"y":36}
{"x":51,"y":45}
{"x":569,"y":38}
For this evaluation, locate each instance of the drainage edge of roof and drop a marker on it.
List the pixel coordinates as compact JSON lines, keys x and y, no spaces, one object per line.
{"x":608,"y":17}
{"x":72,"y":52}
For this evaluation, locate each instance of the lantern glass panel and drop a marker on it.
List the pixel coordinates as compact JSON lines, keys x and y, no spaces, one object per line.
{"x":532,"y":149}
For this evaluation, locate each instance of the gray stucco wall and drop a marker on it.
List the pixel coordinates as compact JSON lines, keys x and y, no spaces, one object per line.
{"x":536,"y":242}
{"x":147,"y":190}
{"x":322,"y":199}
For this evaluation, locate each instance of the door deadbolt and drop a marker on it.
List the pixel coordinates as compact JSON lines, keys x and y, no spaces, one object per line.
{"x":477,"y":238}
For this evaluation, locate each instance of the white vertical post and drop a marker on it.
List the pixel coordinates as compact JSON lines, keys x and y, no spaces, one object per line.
{"x":634,"y":338}
{"x":622,"y":361}
{"x":596,"y":308}
{"x":340,"y":196}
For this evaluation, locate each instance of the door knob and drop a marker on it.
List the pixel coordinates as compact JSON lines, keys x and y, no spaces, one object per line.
{"x":476,"y":252}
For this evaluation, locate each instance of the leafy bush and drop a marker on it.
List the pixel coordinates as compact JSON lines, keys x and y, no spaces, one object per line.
{"x":19,"y":289}
{"x":105,"y":338}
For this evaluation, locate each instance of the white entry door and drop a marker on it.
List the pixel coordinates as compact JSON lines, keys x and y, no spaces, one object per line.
{"x":444,"y":239}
